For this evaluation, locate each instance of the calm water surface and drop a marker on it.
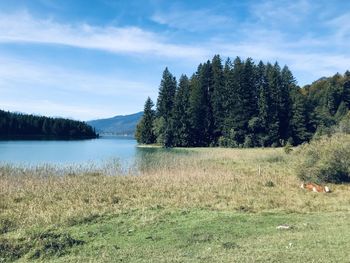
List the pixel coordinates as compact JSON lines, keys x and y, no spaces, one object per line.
{"x":69,"y":152}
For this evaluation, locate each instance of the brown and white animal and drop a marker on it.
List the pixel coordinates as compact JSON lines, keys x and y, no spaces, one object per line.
{"x":315,"y":188}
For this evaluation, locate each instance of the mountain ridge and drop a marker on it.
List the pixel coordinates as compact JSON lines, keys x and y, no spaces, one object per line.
{"x":117,"y":125}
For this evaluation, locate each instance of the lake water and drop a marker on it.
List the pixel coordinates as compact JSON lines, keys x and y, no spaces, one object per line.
{"x":94,"y":151}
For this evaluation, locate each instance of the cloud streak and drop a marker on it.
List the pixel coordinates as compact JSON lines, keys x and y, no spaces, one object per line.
{"x":50,"y":90}
{"x":22,"y":27}
{"x":192,"y":21}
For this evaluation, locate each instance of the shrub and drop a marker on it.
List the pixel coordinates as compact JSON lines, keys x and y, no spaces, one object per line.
{"x":326,"y":159}
{"x":269,"y":184}
{"x":288,"y":148}
{"x":344,"y":125}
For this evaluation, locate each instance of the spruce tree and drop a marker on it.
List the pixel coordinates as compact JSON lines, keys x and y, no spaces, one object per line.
{"x":218,"y":96}
{"x":166,"y":95}
{"x":298,"y":123}
{"x":181,"y":115}
{"x":165,"y":103}
{"x":264,"y":104}
{"x":144,"y":130}
{"x":284,"y":112}
{"x":199,"y":102}
{"x":274,"y":79}
{"x":236,"y":111}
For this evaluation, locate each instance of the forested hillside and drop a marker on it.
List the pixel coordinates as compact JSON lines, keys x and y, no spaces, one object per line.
{"x":242,"y":104}
{"x":118,"y":125}
{"x":15,"y":125}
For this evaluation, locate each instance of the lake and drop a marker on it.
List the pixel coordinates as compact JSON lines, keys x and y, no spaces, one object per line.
{"x":104,"y":149}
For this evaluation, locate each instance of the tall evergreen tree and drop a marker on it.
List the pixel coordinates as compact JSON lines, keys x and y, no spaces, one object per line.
{"x":274,"y":79}
{"x":165,"y":104}
{"x":181,"y":113}
{"x":298,"y":123}
{"x":285,"y":107}
{"x":199,"y":106}
{"x":144,"y":130}
{"x":218,"y":96}
{"x":264,"y":104}
{"x":166,"y":96}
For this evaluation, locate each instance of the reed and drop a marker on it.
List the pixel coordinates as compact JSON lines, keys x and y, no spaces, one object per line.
{"x":253,"y":180}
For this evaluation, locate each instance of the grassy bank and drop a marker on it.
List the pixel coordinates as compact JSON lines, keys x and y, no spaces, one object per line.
{"x":200,"y":205}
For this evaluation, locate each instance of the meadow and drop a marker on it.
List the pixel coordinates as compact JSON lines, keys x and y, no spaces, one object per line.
{"x":194,"y":205}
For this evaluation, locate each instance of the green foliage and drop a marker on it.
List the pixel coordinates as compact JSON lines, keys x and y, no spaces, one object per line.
{"x":288,"y":148}
{"x":242,"y":104}
{"x":181,"y":114}
{"x":159,"y":126}
{"x":344,"y":125}
{"x":16,"y":125}
{"x":269,"y":184}
{"x":144,"y":130}
{"x":325,"y":160}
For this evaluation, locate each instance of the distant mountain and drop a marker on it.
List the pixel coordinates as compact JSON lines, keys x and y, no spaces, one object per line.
{"x":118,"y":125}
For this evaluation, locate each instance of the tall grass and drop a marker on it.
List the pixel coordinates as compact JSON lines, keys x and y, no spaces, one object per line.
{"x":244,"y":180}
{"x":326,"y":159}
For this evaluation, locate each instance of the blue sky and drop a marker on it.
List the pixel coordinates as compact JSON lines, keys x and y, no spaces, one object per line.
{"x":99,"y":58}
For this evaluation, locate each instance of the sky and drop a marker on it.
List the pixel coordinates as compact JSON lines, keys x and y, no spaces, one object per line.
{"x":100,"y":58}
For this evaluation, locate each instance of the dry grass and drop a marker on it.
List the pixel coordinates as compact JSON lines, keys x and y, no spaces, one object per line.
{"x":215,"y":179}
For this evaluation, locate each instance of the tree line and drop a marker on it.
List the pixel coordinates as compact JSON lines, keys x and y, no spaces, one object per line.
{"x":16,"y":125}
{"x":242,"y":104}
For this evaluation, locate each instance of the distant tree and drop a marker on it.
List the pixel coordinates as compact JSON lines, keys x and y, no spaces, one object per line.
{"x":15,"y":125}
{"x":144,"y":130}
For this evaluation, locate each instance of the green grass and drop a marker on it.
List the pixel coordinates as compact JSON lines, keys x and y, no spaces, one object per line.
{"x":162,"y":235}
{"x":202,"y":205}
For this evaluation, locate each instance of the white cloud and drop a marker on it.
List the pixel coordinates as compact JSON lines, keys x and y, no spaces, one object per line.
{"x":192,"y":20}
{"x":341,"y":28}
{"x":305,"y":55}
{"x":25,"y":72}
{"x":22,"y":27}
{"x":50,"y":90}
{"x":277,"y":11}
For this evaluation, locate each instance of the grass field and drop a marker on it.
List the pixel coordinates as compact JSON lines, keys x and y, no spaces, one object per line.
{"x":195,"y":205}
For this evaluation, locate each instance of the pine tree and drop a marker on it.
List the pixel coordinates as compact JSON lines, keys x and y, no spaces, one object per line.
{"x":264,"y":104}
{"x":181,"y":115}
{"x":218,"y":96}
{"x":274,"y":80}
{"x":284,"y":112}
{"x":199,"y":102}
{"x":164,"y":111}
{"x":166,"y":95}
{"x":298,"y":123}
{"x":236,"y":111}
{"x":144,"y":130}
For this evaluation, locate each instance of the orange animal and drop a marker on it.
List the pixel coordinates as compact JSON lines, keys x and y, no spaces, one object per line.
{"x":315,"y":188}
